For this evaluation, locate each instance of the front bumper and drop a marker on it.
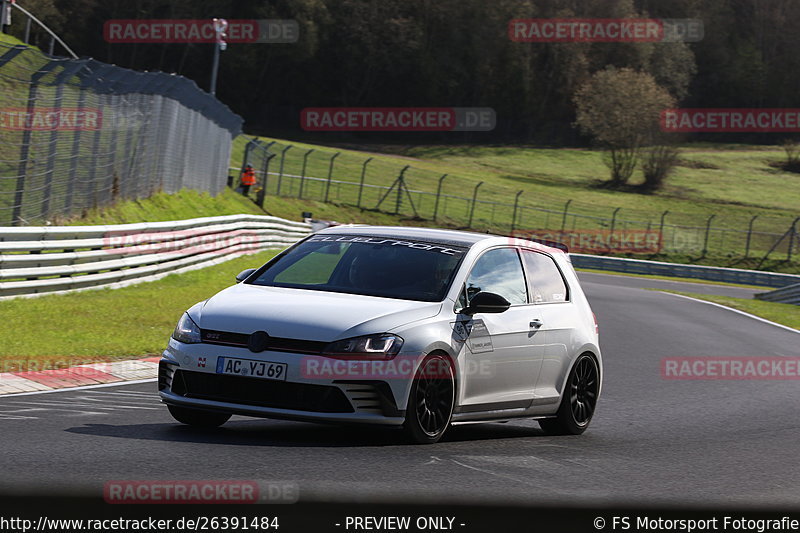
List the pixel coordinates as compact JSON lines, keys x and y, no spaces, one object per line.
{"x":187,"y":378}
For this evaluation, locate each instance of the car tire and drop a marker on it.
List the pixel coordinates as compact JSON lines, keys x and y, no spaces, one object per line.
{"x":431,"y":400}
{"x":579,"y":401}
{"x":197,"y":417}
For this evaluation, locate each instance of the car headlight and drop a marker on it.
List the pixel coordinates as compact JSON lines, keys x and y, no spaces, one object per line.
{"x":382,"y":346}
{"x":186,"y":331}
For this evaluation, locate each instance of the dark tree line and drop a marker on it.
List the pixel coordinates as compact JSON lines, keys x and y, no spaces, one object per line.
{"x":453,"y":53}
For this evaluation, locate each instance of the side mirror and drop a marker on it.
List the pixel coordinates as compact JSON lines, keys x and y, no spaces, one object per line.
{"x":486,"y":302}
{"x":244,"y":274}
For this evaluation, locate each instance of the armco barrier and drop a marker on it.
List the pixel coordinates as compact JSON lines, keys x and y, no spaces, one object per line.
{"x":785,"y":295}
{"x":709,"y":273}
{"x":50,"y":259}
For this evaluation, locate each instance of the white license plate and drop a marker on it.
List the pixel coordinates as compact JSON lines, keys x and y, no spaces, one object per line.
{"x":252,"y":369}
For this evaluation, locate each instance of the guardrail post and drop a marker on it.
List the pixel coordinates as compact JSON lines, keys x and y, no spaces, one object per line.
{"x":749,"y":236}
{"x":263,"y":192}
{"x":330,"y":176}
{"x":363,"y":177}
{"x":472,"y":207}
{"x":564,"y":219}
{"x":613,"y":221}
{"x":280,"y":174}
{"x":708,"y":231}
{"x":303,"y":172}
{"x":514,"y":215}
{"x":438,"y":195}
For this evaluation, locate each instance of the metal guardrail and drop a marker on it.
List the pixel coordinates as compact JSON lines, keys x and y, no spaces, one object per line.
{"x":52,"y":259}
{"x":709,"y":273}
{"x":785,"y":295}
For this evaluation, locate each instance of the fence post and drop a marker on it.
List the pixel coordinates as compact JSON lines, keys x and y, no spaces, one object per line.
{"x":263,"y":192}
{"x":708,"y":231}
{"x":438,"y":195}
{"x":76,"y":146}
{"x":22,"y":169}
{"x":363,"y":177}
{"x":661,"y":230}
{"x":303,"y":172}
{"x":330,"y":175}
{"x":749,"y":236}
{"x":280,"y":174}
{"x":401,"y":183}
{"x":472,"y":207}
{"x":792,"y":236}
{"x":564,"y":219}
{"x":51,"y":155}
{"x":613,"y":222}
{"x":514,"y":216}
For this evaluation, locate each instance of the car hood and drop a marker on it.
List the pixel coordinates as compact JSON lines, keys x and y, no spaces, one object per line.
{"x":306,"y":314}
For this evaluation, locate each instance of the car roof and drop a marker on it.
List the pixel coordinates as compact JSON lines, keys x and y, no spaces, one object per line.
{"x":435,"y":236}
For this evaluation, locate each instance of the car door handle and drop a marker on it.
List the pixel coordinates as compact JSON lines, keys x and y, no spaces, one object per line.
{"x":536,"y":323}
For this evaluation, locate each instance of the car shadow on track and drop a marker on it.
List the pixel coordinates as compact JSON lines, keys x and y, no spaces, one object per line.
{"x":297,"y":434}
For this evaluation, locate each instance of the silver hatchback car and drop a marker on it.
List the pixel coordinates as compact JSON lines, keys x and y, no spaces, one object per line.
{"x":416,"y":328}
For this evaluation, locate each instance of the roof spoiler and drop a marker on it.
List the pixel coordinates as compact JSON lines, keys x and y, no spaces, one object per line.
{"x":529,"y":236}
{"x":552,"y":244}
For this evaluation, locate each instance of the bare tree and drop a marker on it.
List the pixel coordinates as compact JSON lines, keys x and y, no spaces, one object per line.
{"x":620,"y":109}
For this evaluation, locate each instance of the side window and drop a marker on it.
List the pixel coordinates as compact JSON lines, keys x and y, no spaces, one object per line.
{"x":499,"y":271}
{"x":546,"y":283}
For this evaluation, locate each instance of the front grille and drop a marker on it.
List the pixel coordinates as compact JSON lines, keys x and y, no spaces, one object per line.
{"x":259,"y":392}
{"x":275,"y":344}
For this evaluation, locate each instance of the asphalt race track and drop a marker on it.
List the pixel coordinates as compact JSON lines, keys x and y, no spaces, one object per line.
{"x":652,"y":441}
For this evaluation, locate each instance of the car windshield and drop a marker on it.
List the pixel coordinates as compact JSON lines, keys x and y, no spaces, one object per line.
{"x":371,"y":266}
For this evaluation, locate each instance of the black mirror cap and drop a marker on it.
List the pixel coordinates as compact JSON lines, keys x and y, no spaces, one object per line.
{"x":487,"y":302}
{"x":244,"y":274}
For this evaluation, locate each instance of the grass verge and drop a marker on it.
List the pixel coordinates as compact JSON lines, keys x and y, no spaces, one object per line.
{"x":178,"y":206}
{"x":786,"y":314}
{"x":106,"y":324}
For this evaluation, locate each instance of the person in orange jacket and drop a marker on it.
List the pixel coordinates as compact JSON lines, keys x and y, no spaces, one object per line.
{"x":248,"y":179}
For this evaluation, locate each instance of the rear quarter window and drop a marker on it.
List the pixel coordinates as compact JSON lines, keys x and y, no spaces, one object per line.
{"x":546,"y":283}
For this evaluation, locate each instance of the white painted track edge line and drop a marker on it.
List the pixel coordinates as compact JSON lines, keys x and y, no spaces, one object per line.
{"x":82,"y":387}
{"x":749,"y":315}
